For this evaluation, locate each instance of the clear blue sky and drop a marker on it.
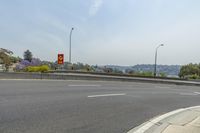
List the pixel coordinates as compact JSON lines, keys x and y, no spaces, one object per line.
{"x":121,"y":32}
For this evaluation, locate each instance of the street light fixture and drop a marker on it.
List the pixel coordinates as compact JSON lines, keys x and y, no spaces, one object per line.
{"x":156,"y":58}
{"x":70,"y":41}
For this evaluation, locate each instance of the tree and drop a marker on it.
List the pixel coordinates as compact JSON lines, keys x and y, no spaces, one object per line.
{"x":15,"y":59}
{"x":28,"y":55}
{"x":190,"y":70}
{"x":5,"y":57}
{"x":36,"y":62}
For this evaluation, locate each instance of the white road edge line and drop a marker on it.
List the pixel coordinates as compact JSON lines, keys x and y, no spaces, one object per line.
{"x":151,"y":123}
{"x":106,"y":95}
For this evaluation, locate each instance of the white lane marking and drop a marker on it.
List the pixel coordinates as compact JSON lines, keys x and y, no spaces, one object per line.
{"x":106,"y":95}
{"x":198,"y":93}
{"x":188,"y":94}
{"x":151,"y":123}
{"x":163,"y":87}
{"x":84,"y":85}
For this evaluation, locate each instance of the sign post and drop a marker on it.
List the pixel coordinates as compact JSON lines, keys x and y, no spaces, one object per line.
{"x":60,"y":59}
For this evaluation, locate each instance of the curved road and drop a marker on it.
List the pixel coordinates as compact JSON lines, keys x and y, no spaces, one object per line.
{"x":34,"y":106}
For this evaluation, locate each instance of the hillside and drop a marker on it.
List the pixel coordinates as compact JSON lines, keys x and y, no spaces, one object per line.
{"x":170,"y":70}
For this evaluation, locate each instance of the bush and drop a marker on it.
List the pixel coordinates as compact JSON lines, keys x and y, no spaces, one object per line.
{"x":43,"y":68}
{"x":190,"y":70}
{"x":194,"y":76}
{"x":145,"y":74}
{"x":163,"y":75}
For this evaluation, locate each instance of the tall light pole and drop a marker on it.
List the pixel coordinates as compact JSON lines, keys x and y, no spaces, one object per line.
{"x":156,"y":58}
{"x":70,"y":44}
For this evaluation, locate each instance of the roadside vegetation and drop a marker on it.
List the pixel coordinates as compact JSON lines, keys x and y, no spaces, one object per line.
{"x":190,"y":71}
{"x":43,"y":68}
{"x":7,"y":58}
{"x":149,"y":74}
{"x":31,"y":64}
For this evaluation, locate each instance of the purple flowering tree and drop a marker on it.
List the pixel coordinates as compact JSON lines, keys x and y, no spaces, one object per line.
{"x":25,"y":63}
{"x":35,"y":62}
{"x":22,"y":65}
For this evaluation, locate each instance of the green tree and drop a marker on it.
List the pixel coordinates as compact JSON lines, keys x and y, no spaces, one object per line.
{"x":28,"y":55}
{"x":15,"y":59}
{"x":5,"y":57}
{"x":190,"y":70}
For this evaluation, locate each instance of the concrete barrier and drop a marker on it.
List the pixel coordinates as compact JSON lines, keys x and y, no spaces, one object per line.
{"x":53,"y":76}
{"x":109,"y":74}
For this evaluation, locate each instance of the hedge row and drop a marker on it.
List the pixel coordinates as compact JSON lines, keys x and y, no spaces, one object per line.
{"x":43,"y":68}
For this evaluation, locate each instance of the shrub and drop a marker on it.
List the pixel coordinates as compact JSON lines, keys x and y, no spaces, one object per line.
{"x":43,"y":68}
{"x":163,"y":75}
{"x":194,"y":76}
{"x":146,"y":74}
{"x":190,"y":70}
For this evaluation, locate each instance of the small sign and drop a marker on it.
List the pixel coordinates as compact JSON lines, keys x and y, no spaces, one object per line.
{"x":60,"y":59}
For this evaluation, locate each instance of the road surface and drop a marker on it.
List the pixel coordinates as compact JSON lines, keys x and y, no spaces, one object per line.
{"x":44,"y":106}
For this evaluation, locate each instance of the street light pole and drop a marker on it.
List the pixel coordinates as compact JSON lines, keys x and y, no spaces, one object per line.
{"x":156,"y":59}
{"x":70,"y":41}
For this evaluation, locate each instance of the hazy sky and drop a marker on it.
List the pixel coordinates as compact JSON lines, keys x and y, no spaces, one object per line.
{"x":120,"y":32}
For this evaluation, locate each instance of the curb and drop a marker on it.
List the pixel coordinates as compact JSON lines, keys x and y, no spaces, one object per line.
{"x":145,"y":127}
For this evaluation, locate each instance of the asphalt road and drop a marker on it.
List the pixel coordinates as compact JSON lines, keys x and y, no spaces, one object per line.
{"x":33,"y":106}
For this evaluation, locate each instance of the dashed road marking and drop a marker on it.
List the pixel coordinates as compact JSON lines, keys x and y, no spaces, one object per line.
{"x":198,"y":93}
{"x":106,"y":95}
{"x":188,"y":94}
{"x":163,"y":87}
{"x":84,"y":85}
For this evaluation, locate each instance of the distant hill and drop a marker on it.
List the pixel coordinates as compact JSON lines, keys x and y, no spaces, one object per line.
{"x":170,"y":70}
